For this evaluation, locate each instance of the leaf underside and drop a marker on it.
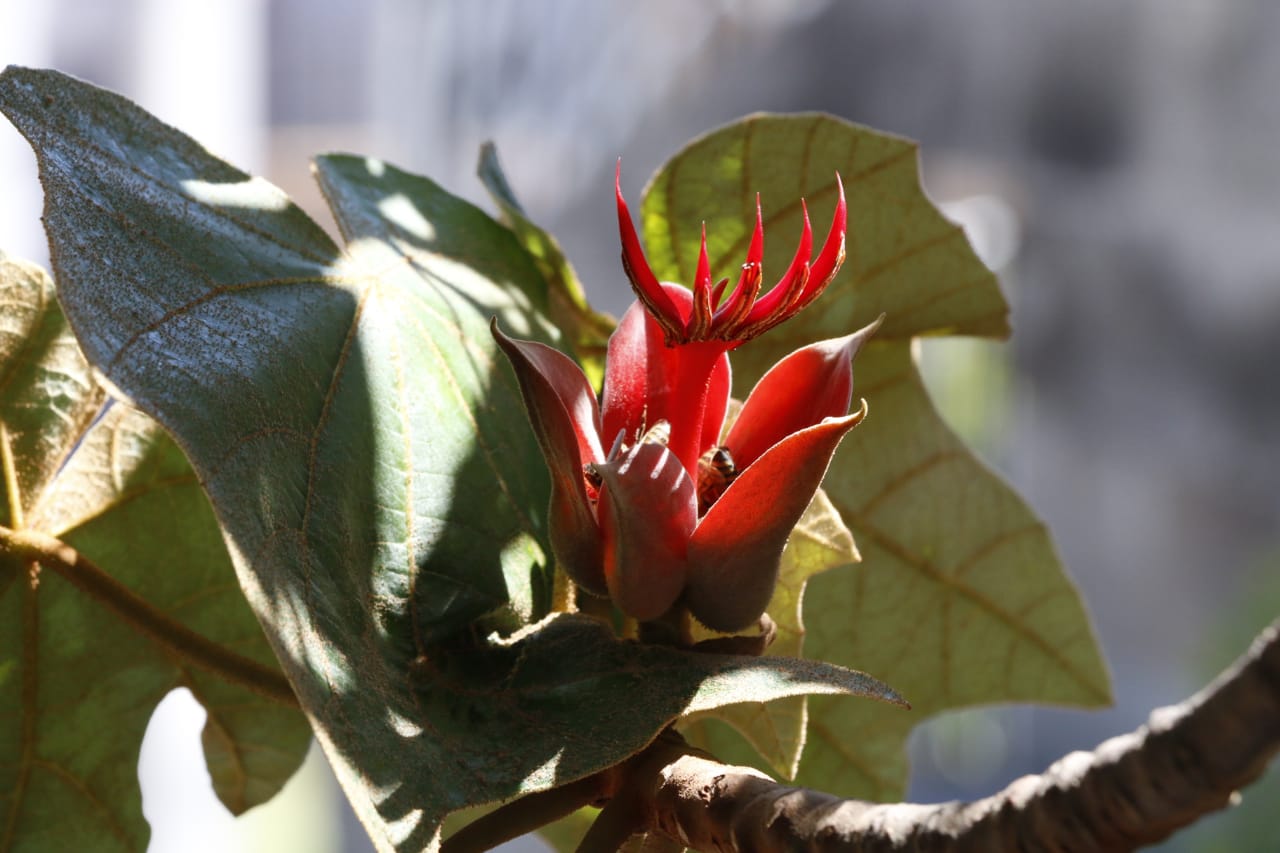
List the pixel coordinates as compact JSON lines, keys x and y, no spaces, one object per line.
{"x":108,"y":481}
{"x":960,"y":598}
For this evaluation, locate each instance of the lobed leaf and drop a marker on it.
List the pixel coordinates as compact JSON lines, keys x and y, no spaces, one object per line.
{"x":961,"y":598}
{"x":114,"y":486}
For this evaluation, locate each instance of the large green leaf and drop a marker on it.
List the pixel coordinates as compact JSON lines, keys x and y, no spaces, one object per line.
{"x":960,"y":598}
{"x":365,"y":447}
{"x":77,"y":683}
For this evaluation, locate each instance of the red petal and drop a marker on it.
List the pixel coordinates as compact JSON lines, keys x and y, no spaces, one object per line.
{"x":647,"y":381}
{"x":810,"y":384}
{"x":742,"y":297}
{"x":729,"y":316}
{"x":718,"y":293}
{"x":755,"y":252}
{"x":786,"y":290}
{"x":700,"y":320}
{"x":702,"y":277}
{"x":734,"y":554}
{"x":562,"y":409}
{"x":832,"y":254}
{"x":643,"y":281}
{"x":647,"y":512}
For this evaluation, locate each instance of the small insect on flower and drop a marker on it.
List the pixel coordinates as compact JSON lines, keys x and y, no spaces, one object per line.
{"x":659,"y":433}
{"x":716,"y":471}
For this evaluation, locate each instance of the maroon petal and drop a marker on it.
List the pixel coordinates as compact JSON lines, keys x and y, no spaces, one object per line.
{"x":810,"y":384}
{"x":734,"y":554}
{"x":562,"y":410}
{"x":647,"y":512}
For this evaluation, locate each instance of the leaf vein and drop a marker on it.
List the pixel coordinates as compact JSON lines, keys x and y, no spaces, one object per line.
{"x":936,"y":575}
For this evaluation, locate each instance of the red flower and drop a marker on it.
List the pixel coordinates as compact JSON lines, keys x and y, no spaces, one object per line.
{"x":666,"y":513}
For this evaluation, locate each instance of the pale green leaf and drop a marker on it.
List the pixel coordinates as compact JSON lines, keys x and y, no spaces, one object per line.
{"x":961,"y":598}
{"x":904,"y":259}
{"x":77,"y":683}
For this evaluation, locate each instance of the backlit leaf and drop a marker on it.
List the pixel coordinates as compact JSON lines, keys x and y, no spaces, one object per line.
{"x":79,"y":682}
{"x":960,"y":598}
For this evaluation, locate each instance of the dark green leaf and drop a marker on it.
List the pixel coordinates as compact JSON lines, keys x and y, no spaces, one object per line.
{"x":77,"y":684}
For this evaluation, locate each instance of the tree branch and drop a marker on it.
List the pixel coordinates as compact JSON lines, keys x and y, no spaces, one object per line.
{"x":1131,"y":791}
{"x":55,"y":554}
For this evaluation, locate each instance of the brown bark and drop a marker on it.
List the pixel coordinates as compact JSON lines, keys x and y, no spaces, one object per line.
{"x":1133,"y":790}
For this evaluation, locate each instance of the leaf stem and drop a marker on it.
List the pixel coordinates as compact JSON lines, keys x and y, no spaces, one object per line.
{"x":10,"y":473}
{"x":523,"y":815}
{"x":617,"y":821}
{"x":143,"y":616}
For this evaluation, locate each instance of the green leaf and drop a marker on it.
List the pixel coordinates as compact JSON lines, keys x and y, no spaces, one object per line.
{"x":586,"y":330}
{"x":81,"y":683}
{"x":961,"y":598}
{"x":961,"y":595}
{"x":368,"y":455}
{"x":776,"y":729}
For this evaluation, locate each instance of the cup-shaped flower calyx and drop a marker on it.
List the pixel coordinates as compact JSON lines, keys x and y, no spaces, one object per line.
{"x":628,"y":522}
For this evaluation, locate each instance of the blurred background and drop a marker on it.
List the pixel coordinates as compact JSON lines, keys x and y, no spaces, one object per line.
{"x":1117,"y":164}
